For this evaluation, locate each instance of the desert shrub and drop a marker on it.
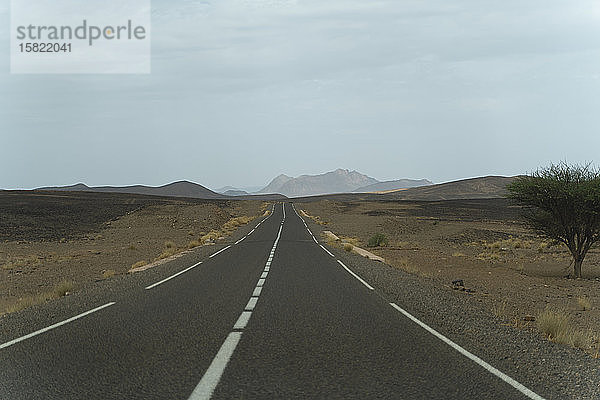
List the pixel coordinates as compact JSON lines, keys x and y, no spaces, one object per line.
{"x":348,"y":247}
{"x":377,"y":240}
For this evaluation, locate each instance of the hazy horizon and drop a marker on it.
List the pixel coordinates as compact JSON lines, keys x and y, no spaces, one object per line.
{"x":241,"y":91}
{"x":243,"y":186}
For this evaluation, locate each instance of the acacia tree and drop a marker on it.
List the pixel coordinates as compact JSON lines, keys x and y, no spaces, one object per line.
{"x":562,"y":202}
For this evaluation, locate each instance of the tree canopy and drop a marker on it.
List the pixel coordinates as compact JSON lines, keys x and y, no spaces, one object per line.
{"x":562,"y":202}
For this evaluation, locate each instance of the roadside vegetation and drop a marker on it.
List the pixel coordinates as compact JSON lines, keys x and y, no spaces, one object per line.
{"x":378,"y":240}
{"x":563,"y":204}
{"x":60,"y":290}
{"x":171,"y":249}
{"x":84,"y":238}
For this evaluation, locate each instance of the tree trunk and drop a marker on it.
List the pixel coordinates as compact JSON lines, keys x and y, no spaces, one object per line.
{"x":577,"y":268}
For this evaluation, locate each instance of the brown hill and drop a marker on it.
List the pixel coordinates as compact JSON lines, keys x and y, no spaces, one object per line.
{"x":474,"y":188}
{"x":175,"y":189}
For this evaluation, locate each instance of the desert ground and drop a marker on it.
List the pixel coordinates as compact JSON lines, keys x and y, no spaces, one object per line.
{"x":54,"y":243}
{"x":502,"y":265}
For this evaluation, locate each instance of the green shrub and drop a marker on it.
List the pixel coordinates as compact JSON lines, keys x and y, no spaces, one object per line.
{"x":377,"y":240}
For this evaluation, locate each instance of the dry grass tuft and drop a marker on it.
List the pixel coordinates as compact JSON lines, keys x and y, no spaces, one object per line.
{"x":584,"y":303}
{"x":210,"y":237}
{"x":500,"y":310}
{"x":458,"y":254}
{"x":514,"y":243}
{"x":348,"y":247}
{"x":138,"y":264}
{"x":556,"y":326}
{"x":109,"y":273}
{"x":20,"y":262}
{"x":351,"y":240}
{"x":60,"y":290}
{"x":194,"y":243}
{"x":236,"y":222}
{"x":169,"y":250}
{"x":488,"y":256}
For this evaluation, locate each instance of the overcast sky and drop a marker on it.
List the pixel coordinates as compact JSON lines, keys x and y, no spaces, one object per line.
{"x":243,"y":90}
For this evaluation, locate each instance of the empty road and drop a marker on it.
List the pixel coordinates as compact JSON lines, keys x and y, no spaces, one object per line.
{"x":271,"y":316}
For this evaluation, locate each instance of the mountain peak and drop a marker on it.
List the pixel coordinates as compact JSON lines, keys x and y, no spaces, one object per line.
{"x":337,"y":181}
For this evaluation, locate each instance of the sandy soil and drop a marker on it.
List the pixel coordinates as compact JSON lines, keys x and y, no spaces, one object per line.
{"x":87,"y":238}
{"x":504,"y":266}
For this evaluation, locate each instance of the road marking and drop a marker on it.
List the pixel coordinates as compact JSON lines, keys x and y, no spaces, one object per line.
{"x":250,"y":233}
{"x":239,"y":241}
{"x":223,"y":249}
{"x":212,"y":376}
{"x":356,"y":276}
{"x":527,"y":392}
{"x":327,"y":251}
{"x":172,"y":276}
{"x":251,"y":304}
{"x":242,"y":320}
{"x":66,"y":321}
{"x":207,"y":385}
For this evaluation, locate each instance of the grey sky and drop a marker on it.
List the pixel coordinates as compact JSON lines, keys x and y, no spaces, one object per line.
{"x":241,"y":91}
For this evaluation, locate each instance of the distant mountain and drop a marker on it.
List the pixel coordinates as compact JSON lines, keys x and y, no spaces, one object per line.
{"x":393,"y":185}
{"x":175,"y":189}
{"x":338,"y":181}
{"x":275,"y":185}
{"x":247,"y":189}
{"x":233,"y":192}
{"x":474,"y":188}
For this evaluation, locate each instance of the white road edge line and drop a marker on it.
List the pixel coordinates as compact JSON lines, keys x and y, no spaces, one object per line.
{"x":209,"y":381}
{"x":356,"y":276}
{"x":220,"y":251}
{"x":172,"y":276}
{"x":66,"y":321}
{"x":527,"y":392}
{"x":239,"y":241}
{"x":327,"y":251}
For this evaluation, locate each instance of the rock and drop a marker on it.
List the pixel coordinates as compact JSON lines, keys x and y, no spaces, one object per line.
{"x":458,"y":282}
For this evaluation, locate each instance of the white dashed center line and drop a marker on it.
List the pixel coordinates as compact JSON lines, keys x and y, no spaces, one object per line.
{"x":210,"y":380}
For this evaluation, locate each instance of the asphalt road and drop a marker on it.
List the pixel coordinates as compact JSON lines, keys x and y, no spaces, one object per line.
{"x":273,"y":316}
